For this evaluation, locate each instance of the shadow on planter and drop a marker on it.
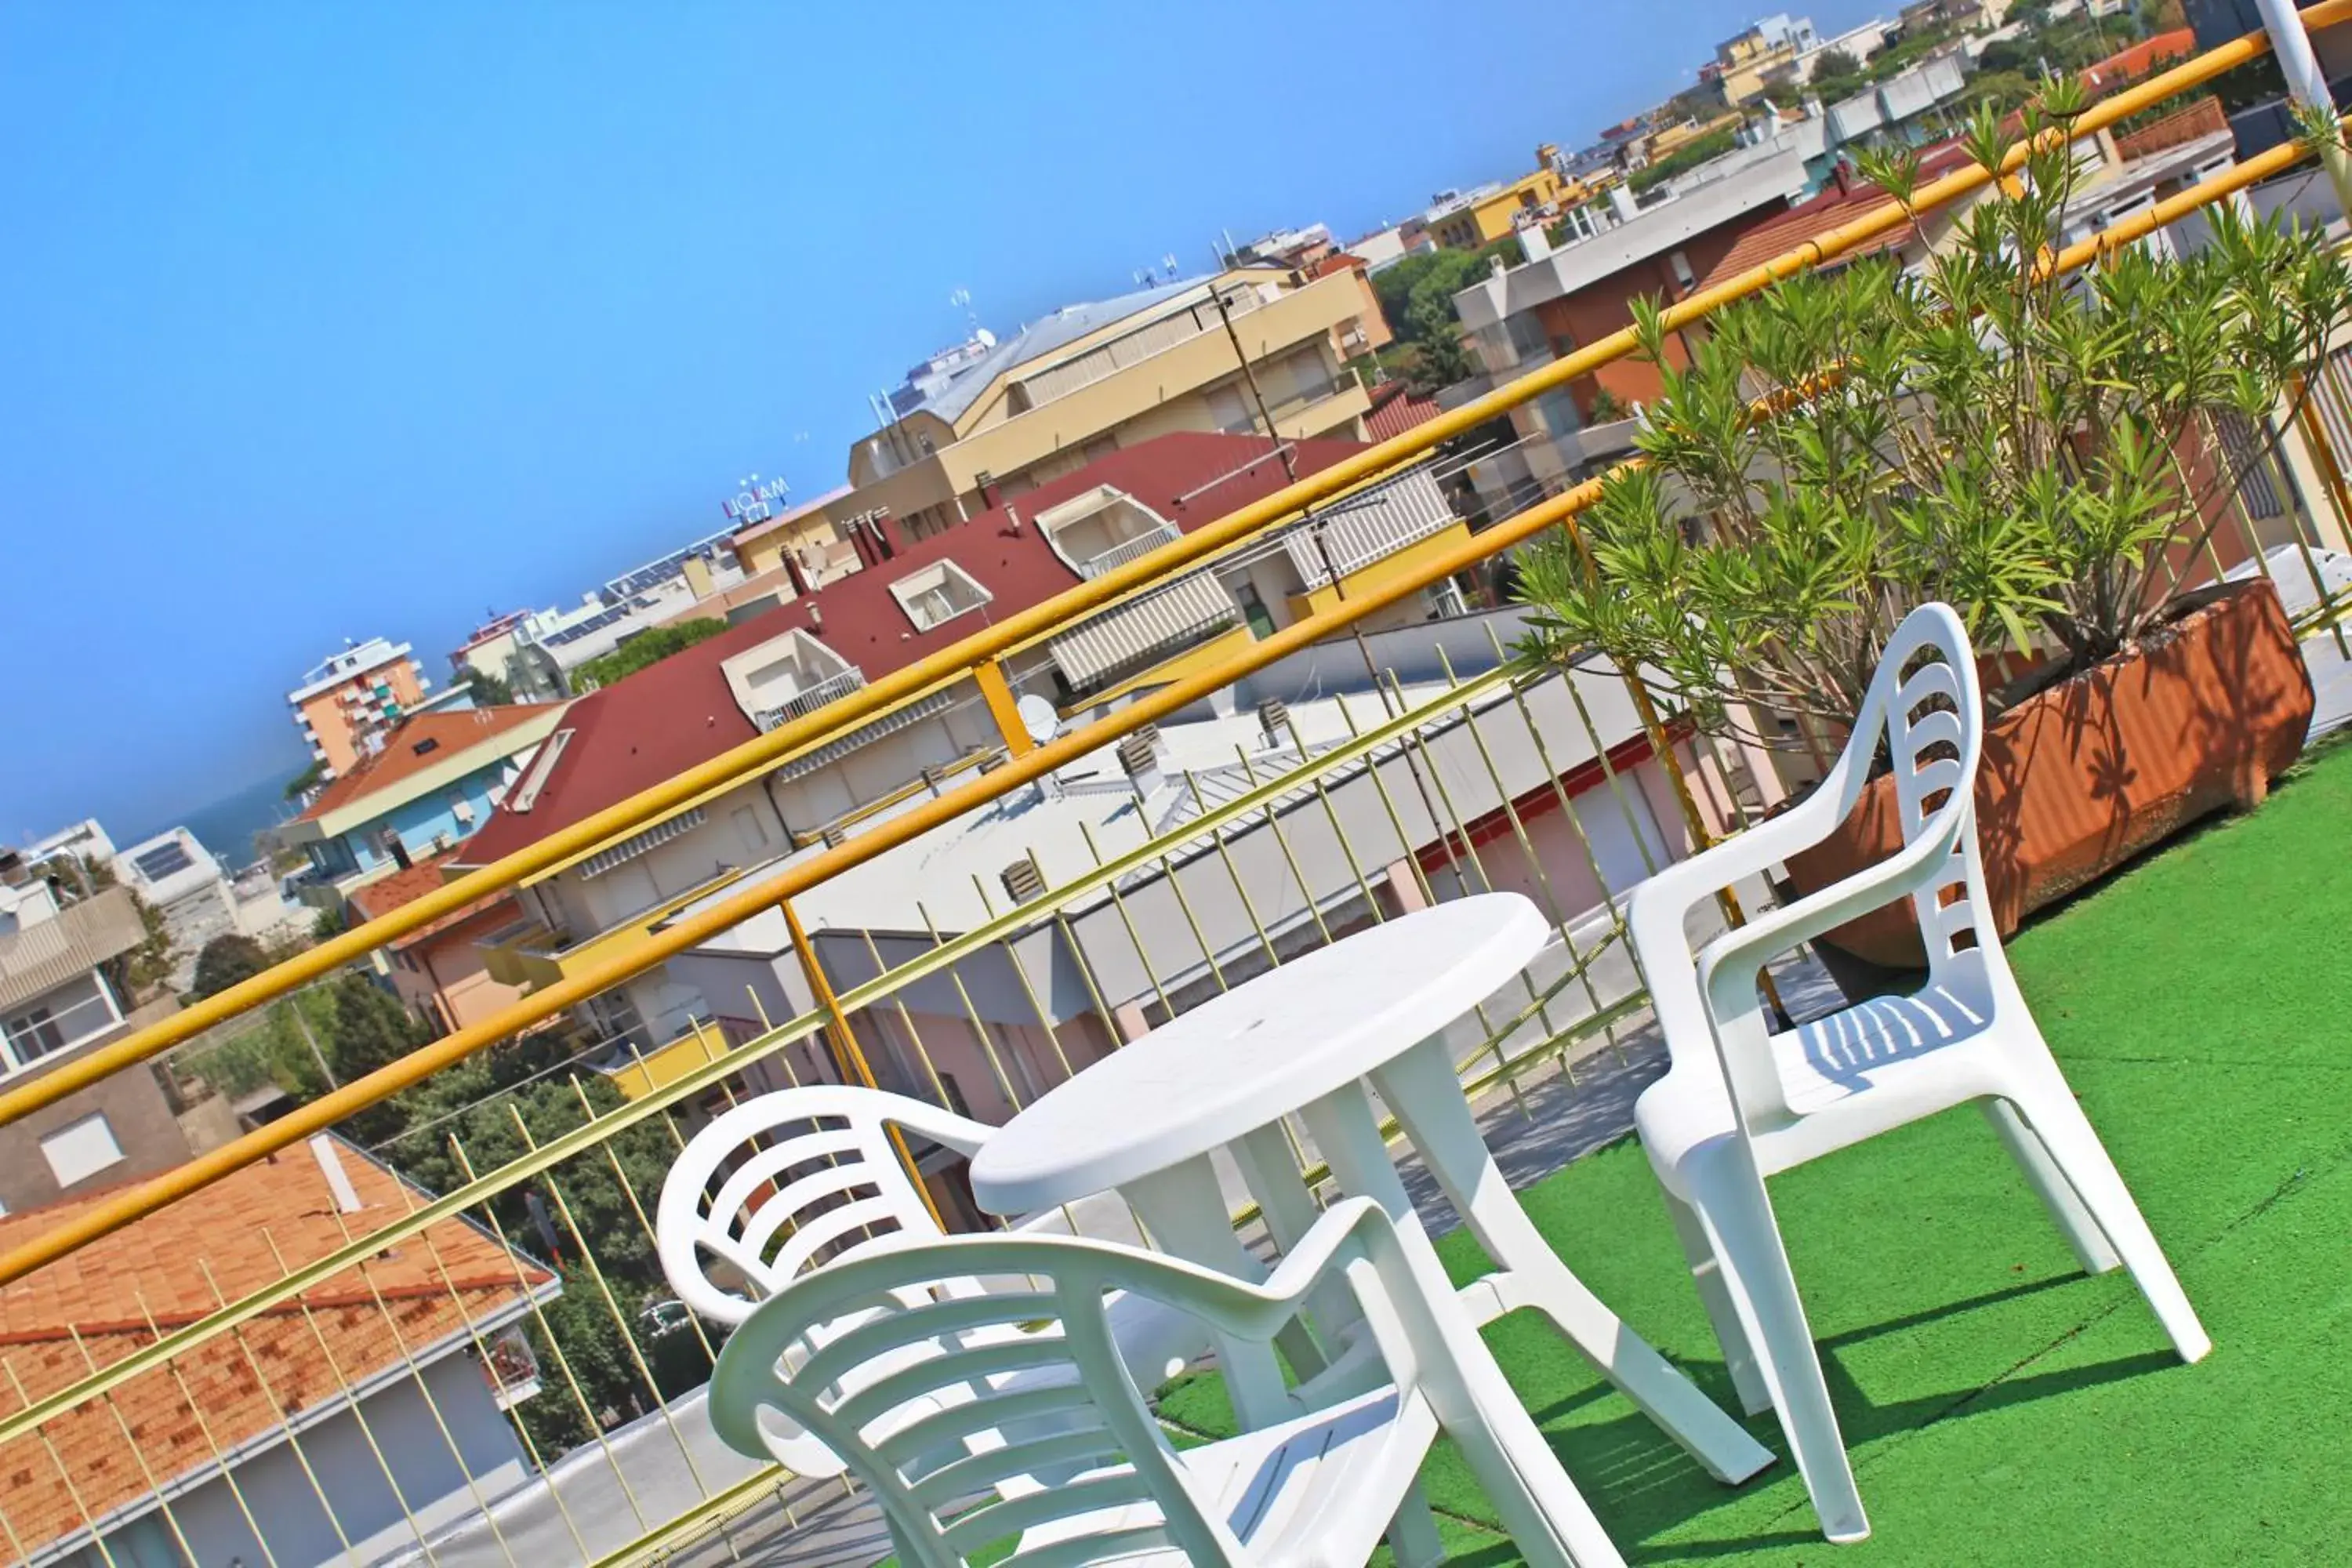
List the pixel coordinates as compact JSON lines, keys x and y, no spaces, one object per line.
{"x":2082,"y":776}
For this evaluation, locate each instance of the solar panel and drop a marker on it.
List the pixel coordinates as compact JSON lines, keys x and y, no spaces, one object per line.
{"x":163,"y":861}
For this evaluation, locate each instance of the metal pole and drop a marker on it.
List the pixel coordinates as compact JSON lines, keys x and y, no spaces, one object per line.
{"x":2308,"y":86}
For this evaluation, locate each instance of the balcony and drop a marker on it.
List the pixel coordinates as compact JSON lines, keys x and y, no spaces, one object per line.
{"x":831,"y":689}
{"x":539,"y":955}
{"x":1351,"y":534}
{"x":1135,"y":549}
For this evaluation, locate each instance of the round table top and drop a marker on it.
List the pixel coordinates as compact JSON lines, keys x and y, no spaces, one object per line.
{"x":1241,"y":1060}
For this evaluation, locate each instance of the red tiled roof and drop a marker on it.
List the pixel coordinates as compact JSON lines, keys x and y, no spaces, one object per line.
{"x":668,"y":716}
{"x":1833,"y":207}
{"x":116,"y":1292}
{"x":1399,"y":411}
{"x":386,"y":894}
{"x":2126,"y":66}
{"x":449,"y":734}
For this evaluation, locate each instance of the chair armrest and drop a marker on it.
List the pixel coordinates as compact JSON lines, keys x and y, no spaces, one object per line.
{"x":1728,"y":966}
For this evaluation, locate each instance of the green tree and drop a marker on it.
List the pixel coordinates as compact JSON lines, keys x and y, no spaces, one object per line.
{"x":301,"y":783}
{"x":490,"y":690}
{"x":646,"y":648}
{"x":225,"y":960}
{"x":1416,"y":296}
{"x":1836,"y":75}
{"x":492,"y":1109}
{"x":1689,"y":156}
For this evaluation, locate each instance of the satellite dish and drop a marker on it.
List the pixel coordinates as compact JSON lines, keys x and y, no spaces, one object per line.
{"x":1038,"y":717}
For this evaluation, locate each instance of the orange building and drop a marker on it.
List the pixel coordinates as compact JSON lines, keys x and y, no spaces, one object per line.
{"x":351,"y":697}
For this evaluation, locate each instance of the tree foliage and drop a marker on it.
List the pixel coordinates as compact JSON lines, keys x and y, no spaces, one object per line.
{"x":1992,"y":433}
{"x":304,"y":783}
{"x":645,"y":648}
{"x":490,"y":690}
{"x":228,"y":958}
{"x":1416,"y":297}
{"x":1688,"y":156}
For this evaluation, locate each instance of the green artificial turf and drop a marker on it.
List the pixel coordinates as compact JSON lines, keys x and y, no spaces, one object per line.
{"x":2002,"y":1407}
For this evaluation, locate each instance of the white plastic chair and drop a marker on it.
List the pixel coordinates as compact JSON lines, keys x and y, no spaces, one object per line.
{"x":810,"y":1180}
{"x":1317,"y":1489}
{"x":1742,"y":1101}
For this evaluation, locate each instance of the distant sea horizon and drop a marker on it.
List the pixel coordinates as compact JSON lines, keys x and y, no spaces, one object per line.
{"x":226,"y":826}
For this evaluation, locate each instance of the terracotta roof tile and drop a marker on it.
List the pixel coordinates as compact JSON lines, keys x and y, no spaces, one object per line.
{"x":1833,"y":207}
{"x":448,"y":734}
{"x":1399,"y":412}
{"x":95,"y":1307}
{"x":386,"y":894}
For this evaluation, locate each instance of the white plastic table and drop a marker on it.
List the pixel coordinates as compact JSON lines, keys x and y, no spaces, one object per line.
{"x":1308,"y":1037}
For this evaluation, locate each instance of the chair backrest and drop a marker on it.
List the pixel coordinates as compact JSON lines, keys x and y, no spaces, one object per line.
{"x":1926,"y":705}
{"x":934,"y":1432}
{"x":788,"y":1180}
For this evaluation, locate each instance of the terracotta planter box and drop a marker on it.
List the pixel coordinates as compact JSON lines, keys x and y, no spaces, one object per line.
{"x":2079,"y":778}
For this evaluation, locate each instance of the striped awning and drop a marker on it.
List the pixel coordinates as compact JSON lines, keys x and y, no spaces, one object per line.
{"x":863,"y":735}
{"x":629,"y":848}
{"x":1129,"y":635}
{"x":38,"y":959}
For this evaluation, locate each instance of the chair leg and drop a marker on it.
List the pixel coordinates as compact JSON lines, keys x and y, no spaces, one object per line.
{"x":2073,"y":1144}
{"x":1540,"y":1508}
{"x":2083,"y":1237}
{"x":1728,"y":1194}
{"x":1412,"y":1534}
{"x":1738,"y":1355}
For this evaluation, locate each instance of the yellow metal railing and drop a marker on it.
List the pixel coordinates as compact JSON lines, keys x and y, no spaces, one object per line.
{"x":980,"y":656}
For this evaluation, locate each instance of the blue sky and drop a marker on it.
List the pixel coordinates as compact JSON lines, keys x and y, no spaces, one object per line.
{"x":328,"y":320}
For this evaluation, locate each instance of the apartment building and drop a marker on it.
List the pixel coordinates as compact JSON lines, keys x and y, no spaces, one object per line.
{"x":912,"y":599}
{"x":433,"y":780}
{"x":983,"y":421}
{"x":350,"y":697}
{"x":178,"y":876}
{"x":337,"y":1426}
{"x":1760,"y":54}
{"x":1560,"y":300}
{"x":1468,"y":220}
{"x":441,"y":970}
{"x":61,"y":997}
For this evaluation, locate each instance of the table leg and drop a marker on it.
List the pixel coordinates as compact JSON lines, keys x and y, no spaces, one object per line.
{"x":1184,"y":1210}
{"x":1348,"y":1135}
{"x":1270,"y":1169}
{"x":1423,"y":1091}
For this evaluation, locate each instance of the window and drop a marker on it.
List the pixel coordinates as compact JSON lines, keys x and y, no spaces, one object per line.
{"x":939,"y":594}
{"x":33,"y":1032}
{"x":81,"y":1150}
{"x":1253,"y":610}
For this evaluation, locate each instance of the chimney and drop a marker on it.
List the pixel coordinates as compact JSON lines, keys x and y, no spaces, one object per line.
{"x":798,"y":578}
{"x":1841,"y":173}
{"x":330,"y":1165}
{"x":1274,"y":717}
{"x":1022,"y":879}
{"x":1139,"y":760}
{"x":886,"y":533}
{"x":1535,"y":242}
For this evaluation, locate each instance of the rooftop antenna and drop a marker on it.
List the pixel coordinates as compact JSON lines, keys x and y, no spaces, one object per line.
{"x":961,"y":298}
{"x":1168,"y":260}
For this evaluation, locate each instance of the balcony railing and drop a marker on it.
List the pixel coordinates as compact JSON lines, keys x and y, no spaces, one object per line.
{"x":1135,"y":549}
{"x":984,"y":997}
{"x":831,"y":688}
